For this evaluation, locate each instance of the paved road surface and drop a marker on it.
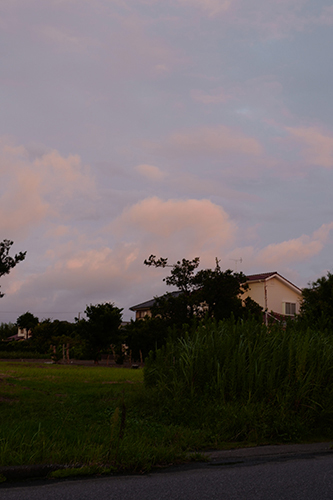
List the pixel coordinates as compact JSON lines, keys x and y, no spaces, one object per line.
{"x":275,"y":478}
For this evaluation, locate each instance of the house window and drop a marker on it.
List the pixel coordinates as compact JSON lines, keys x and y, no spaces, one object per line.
{"x":289,"y":308}
{"x":142,"y":313}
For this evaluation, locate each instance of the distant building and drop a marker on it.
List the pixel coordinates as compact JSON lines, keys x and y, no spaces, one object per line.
{"x":22,"y":334}
{"x":274,"y":293}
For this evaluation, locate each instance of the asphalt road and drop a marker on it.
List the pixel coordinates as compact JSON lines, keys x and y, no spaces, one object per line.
{"x":307,"y":477}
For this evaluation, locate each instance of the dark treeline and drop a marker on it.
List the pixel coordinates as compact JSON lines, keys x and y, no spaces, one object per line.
{"x":204,"y":295}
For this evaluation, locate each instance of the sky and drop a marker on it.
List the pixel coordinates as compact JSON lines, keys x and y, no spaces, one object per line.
{"x":179,"y":128}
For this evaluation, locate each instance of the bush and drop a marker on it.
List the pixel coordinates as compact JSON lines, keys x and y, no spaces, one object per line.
{"x":276,"y":378}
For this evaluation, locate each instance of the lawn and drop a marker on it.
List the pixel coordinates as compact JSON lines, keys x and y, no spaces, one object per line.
{"x":220,"y":385}
{"x":84,"y":415}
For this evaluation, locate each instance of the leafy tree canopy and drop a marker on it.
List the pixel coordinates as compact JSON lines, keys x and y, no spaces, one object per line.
{"x":27,"y":320}
{"x":182,"y":273}
{"x":101,"y":329}
{"x":207,"y":292}
{"x":6,"y":261}
{"x":51,"y":332}
{"x":7,"y":330}
{"x":317,"y":304}
{"x":145,"y":335}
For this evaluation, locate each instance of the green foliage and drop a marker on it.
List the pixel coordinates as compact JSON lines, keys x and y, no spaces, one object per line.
{"x":7,"y":330}
{"x":145,"y":335}
{"x":55,"y":333}
{"x":175,"y":309}
{"x":181,"y":275}
{"x":221,"y":291}
{"x":27,"y":321}
{"x":317,"y":305}
{"x":101,"y":329}
{"x":19,"y":353}
{"x":6,"y":261}
{"x":206,"y":293}
{"x":287,"y":373}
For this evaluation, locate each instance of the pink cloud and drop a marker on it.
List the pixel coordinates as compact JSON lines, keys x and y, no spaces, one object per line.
{"x":273,"y":19}
{"x":175,"y":227}
{"x":211,"y":7}
{"x":297,"y":249}
{"x":137,"y":52}
{"x":210,"y":141}
{"x":279,"y":256}
{"x":33,"y":191}
{"x":317,"y":146}
{"x":217,"y":96}
{"x":150,"y":172}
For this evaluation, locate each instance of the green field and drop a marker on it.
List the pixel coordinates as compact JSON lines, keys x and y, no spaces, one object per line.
{"x":95,"y":416}
{"x":220,"y":385}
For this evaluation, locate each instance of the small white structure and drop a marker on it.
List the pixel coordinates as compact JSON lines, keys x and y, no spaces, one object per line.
{"x":23,"y":334}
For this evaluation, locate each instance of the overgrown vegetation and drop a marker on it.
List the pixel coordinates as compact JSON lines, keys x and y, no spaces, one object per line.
{"x":244,"y":381}
{"x":215,"y":376}
{"x":220,"y":384}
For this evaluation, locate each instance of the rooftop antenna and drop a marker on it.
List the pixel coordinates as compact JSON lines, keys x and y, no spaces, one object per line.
{"x":236,"y":261}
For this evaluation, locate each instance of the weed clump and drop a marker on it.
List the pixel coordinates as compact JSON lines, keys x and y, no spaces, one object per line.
{"x":243,"y":381}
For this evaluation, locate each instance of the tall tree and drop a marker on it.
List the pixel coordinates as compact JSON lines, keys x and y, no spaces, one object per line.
{"x":177,"y":309}
{"x":211,"y":292}
{"x":182,"y":274}
{"x":317,"y":304}
{"x":221,"y":291}
{"x":6,"y":261}
{"x":101,"y":329}
{"x":27,"y":320}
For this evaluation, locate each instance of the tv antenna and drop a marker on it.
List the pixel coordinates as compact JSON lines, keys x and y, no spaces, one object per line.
{"x":236,"y":262}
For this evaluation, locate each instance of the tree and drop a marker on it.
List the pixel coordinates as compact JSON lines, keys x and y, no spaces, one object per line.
{"x":50,"y":332}
{"x":208,"y":292}
{"x":27,"y":321}
{"x":177,"y":309}
{"x":101,"y":329}
{"x":7,"y":330}
{"x":6,"y":261}
{"x":182,"y":273}
{"x":145,"y":335}
{"x":221,"y":291}
{"x":317,"y":304}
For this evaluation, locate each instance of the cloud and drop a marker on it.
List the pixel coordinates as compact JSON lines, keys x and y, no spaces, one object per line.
{"x":63,"y":40}
{"x":210,"y":141}
{"x":150,"y":172}
{"x":317,"y":146}
{"x":212,"y":7}
{"x":178,"y":228}
{"x":129,"y":50}
{"x":35,"y":190}
{"x":295,"y":250}
{"x":218,"y":96}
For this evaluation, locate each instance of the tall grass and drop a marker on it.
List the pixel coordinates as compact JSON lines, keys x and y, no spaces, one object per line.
{"x":278,"y":383}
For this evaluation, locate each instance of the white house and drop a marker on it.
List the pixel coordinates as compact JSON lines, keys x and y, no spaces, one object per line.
{"x":274,"y":293}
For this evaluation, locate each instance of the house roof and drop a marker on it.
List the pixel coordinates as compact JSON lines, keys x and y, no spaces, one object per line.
{"x":261,"y":276}
{"x":267,"y":276}
{"x":250,"y":278}
{"x":149,"y":303}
